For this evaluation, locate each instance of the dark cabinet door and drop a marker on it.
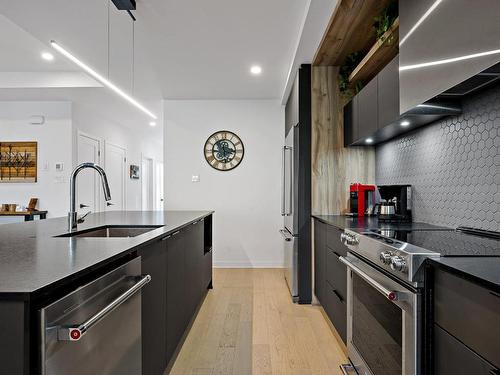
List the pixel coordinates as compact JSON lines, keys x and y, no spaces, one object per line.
{"x":319,"y":260}
{"x":154,"y":309}
{"x":176,"y":292}
{"x":388,"y":94}
{"x":351,"y":121}
{"x":336,"y":309}
{"x":452,"y":357}
{"x":193,"y":242}
{"x":456,"y":300}
{"x":367,"y":110}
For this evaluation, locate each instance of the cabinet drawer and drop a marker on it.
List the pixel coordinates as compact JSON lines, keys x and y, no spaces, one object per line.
{"x":336,"y":309}
{"x":453,"y":357}
{"x":469,"y":312}
{"x":336,"y":273}
{"x":333,"y":240}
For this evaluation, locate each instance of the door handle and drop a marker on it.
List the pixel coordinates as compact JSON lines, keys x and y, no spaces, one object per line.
{"x":283,"y":181}
{"x":109,"y":204}
{"x":75,"y":332}
{"x":83,"y":205}
{"x":391,"y":295}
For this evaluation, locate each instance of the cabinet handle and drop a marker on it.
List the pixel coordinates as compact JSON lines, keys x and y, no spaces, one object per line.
{"x":338,"y":296}
{"x":336,"y":254}
{"x":166,"y":238}
{"x":176,"y":233}
{"x":194,"y":222}
{"x":495,"y":372}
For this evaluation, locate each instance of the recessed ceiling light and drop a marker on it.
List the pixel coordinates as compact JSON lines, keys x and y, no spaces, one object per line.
{"x":369,"y":140}
{"x":106,"y":82}
{"x":152,"y":123}
{"x":47,"y":56}
{"x":405,"y":123}
{"x":255,"y":70}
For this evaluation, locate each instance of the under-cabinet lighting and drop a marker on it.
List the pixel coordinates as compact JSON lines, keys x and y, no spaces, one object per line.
{"x":405,"y":123}
{"x":47,"y":56}
{"x":419,"y":22}
{"x":102,"y":79}
{"x":369,"y":140}
{"x":448,"y":61}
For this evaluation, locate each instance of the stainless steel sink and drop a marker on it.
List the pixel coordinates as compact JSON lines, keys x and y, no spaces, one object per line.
{"x":113,"y":231}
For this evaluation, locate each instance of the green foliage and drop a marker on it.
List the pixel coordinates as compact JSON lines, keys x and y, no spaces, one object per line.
{"x":384,"y":21}
{"x":350,"y":63}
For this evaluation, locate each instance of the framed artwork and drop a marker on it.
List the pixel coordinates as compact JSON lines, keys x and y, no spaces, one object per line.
{"x":224,"y":150}
{"x":18,"y":161}
{"x":134,"y":172}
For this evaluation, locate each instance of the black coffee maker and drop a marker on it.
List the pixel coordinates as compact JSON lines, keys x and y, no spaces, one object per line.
{"x":398,"y":197}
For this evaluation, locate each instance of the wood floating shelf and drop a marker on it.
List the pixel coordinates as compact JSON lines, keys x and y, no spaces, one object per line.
{"x":350,"y":30}
{"x":382,"y":52}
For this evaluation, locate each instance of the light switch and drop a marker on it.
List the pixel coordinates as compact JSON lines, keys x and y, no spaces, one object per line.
{"x":59,"y":167}
{"x":46,"y":166}
{"x":195,"y":178}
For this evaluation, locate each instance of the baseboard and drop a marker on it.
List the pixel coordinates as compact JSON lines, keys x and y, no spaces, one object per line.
{"x":247,"y":264}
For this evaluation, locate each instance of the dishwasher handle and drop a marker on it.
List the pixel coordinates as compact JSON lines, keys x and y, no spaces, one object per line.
{"x":76,"y":331}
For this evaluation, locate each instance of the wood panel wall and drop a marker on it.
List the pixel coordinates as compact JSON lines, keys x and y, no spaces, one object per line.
{"x":334,"y":167}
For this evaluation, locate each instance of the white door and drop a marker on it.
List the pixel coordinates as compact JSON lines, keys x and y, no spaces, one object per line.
{"x":159,"y":199}
{"x":115,"y":159}
{"x":87,"y":188}
{"x":147,"y":184}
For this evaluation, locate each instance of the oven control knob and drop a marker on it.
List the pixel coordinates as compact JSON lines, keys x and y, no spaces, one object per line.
{"x":398,"y":263}
{"x":385,"y":257}
{"x":351,"y":240}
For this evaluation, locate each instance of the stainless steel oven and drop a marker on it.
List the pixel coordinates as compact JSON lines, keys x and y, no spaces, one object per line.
{"x":383,"y":322}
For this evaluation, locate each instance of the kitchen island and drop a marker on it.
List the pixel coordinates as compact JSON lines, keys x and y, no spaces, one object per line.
{"x":37,"y":267}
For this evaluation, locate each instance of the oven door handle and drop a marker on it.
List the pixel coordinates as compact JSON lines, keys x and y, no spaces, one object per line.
{"x":391,"y":295}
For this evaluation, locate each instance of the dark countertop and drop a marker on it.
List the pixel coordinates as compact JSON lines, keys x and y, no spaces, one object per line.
{"x":31,"y":258}
{"x":482,"y":270}
{"x":365,"y":223}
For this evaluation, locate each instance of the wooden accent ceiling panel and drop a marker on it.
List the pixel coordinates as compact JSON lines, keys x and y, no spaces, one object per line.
{"x":334,"y":167}
{"x":350,"y":30}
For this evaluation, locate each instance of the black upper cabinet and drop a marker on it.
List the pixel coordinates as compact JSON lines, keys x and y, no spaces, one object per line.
{"x":351,"y":122}
{"x":368,"y":110}
{"x":388,"y":93}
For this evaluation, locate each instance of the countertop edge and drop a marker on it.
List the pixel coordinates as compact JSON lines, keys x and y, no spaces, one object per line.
{"x":29,"y":294}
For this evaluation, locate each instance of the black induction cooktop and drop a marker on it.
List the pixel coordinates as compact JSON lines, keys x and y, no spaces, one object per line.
{"x":449,"y":242}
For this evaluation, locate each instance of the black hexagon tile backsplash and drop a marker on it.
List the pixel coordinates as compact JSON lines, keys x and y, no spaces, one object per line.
{"x":453,"y":165}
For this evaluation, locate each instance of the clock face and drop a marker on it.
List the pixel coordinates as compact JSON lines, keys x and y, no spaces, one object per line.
{"x":224,"y":150}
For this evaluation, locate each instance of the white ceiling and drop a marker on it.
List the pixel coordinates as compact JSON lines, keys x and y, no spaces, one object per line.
{"x":204,"y":49}
{"x":194,"y":49}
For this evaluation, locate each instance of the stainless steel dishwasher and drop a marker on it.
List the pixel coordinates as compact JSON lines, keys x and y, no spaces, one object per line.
{"x":96,"y":329}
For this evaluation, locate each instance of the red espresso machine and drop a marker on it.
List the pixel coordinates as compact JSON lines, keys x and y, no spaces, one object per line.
{"x":362,"y":198}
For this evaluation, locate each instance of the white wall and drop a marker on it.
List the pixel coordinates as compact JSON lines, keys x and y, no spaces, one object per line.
{"x":246,"y":200}
{"x":54,"y":145}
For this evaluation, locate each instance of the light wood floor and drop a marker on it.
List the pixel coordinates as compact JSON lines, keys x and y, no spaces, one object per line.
{"x":249,"y":325}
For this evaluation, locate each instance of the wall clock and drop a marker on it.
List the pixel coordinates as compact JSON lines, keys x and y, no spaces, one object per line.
{"x":224,"y":150}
